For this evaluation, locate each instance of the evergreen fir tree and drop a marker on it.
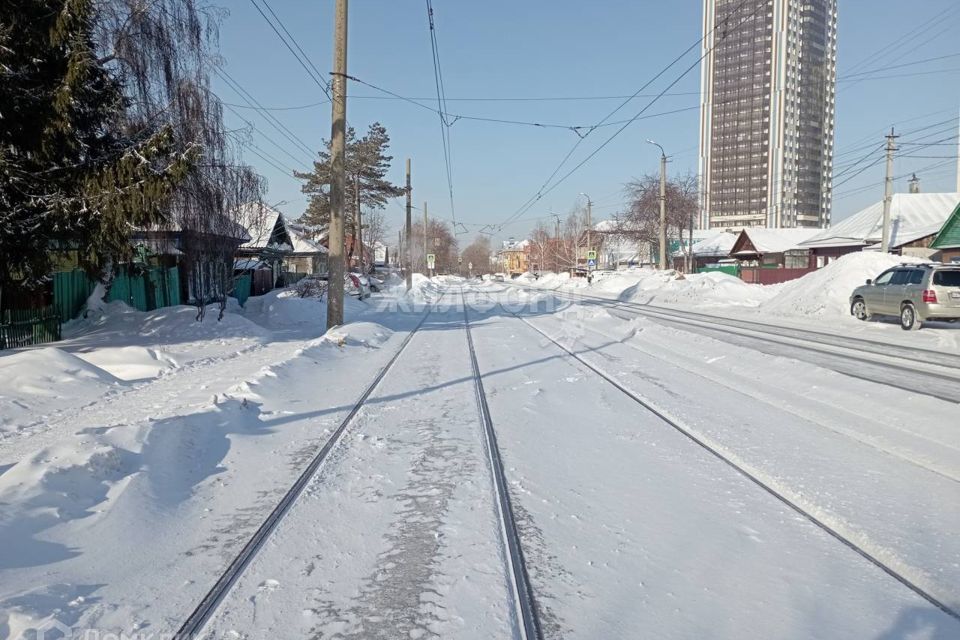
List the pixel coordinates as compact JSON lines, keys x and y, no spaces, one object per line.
{"x":73,"y":172}
{"x":367,"y":162}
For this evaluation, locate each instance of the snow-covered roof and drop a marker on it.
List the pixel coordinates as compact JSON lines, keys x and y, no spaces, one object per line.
{"x":302,"y":244}
{"x":912,"y":216}
{"x":515,"y":245}
{"x":259,"y":220}
{"x":699,"y":235}
{"x":776,"y":240}
{"x":716,"y":246}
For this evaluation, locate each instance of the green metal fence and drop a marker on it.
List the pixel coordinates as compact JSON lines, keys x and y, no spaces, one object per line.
{"x":241,"y":288}
{"x":729,"y":269}
{"x":145,"y":290}
{"x":24,"y":327}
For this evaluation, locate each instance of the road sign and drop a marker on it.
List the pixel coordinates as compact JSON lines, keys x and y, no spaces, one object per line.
{"x":470,"y":266}
{"x":431,"y":261}
{"x":459,"y":260}
{"x":592,"y":255}
{"x":591,"y":263}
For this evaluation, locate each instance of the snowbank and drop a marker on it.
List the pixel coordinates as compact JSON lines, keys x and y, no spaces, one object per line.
{"x":826,"y":292}
{"x":284,"y":309}
{"x":423,"y":290}
{"x":36,"y":383}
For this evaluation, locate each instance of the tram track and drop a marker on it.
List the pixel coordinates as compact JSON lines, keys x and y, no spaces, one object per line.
{"x":754,"y":477}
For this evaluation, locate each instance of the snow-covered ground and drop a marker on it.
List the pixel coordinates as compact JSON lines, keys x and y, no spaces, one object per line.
{"x":818,"y":301}
{"x":138,"y":455}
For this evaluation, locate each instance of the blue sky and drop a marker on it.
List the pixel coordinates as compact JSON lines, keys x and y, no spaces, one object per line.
{"x":569,"y":49}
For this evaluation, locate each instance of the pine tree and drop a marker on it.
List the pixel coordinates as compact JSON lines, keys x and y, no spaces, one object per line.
{"x":367,"y":163}
{"x":74,"y":173}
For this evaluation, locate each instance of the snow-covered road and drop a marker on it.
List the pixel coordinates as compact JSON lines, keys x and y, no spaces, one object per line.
{"x":833,"y":515}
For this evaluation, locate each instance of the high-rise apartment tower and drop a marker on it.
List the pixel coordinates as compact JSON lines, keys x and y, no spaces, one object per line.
{"x":767,"y":113}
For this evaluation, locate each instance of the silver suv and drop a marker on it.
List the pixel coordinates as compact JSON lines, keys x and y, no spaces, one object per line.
{"x":914,"y":292}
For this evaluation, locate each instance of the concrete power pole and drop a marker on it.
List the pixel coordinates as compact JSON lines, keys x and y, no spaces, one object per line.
{"x":337,"y":152}
{"x":663,"y":205}
{"x":409,"y":230}
{"x":663,"y":212}
{"x":426,"y":269}
{"x":359,"y":239}
{"x":888,"y":192}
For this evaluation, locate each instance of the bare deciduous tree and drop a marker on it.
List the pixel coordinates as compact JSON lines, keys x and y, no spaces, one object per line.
{"x":640,"y":223}
{"x":164,"y":51}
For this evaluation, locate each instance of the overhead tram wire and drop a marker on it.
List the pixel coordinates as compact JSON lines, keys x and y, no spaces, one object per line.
{"x":543,"y":190}
{"x":441,"y":111}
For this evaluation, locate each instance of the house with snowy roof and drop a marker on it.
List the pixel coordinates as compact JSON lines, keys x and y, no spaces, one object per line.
{"x":263,"y":255}
{"x":947,"y":241}
{"x":771,"y":256}
{"x":307,"y":255}
{"x":915,"y":221}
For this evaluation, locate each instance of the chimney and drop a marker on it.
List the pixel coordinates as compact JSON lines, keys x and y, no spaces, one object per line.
{"x":914,"y":184}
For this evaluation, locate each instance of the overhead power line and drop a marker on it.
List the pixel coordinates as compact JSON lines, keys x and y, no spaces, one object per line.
{"x":269,"y":117}
{"x":301,"y":57}
{"x":549,"y":184}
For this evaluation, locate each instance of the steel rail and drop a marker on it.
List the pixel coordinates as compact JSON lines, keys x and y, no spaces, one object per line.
{"x":529,"y":619}
{"x":195,"y":622}
{"x":875,"y":347}
{"x":748,"y":475}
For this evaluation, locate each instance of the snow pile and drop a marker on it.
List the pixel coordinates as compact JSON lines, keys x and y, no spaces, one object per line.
{"x":712,"y":289}
{"x":284,"y":309}
{"x":363,"y":334}
{"x":827,"y":290}
{"x":118,"y":323}
{"x":131,"y":363}
{"x":423,"y":290}
{"x":38,"y":382}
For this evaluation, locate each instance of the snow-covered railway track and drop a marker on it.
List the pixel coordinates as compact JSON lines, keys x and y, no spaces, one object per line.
{"x":198,"y":618}
{"x":517,"y":569}
{"x":916,"y":370}
{"x":754,"y":477}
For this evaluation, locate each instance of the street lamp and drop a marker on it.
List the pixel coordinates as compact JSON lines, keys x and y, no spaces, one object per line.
{"x":663,"y":204}
{"x":589,"y":227}
{"x":556,"y":245}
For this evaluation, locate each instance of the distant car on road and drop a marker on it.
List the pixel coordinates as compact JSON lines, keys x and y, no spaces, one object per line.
{"x":913,"y":292}
{"x":498,"y":277}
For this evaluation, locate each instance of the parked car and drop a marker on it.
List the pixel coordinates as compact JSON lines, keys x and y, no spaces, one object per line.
{"x":913,"y":292}
{"x":498,"y":277}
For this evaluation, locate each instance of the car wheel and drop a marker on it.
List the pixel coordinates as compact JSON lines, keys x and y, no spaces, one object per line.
{"x":908,"y":318}
{"x":859,"y":310}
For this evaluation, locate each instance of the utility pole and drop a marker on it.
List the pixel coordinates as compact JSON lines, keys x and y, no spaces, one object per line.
{"x":556,"y":246}
{"x":409,"y":230}
{"x":338,"y":128}
{"x":663,"y":205}
{"x":589,"y":227}
{"x":888,"y":192}
{"x":399,"y":257}
{"x":426,"y":269}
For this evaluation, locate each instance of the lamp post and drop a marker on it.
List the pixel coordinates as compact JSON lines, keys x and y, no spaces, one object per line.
{"x":589,"y":228}
{"x":663,"y":205}
{"x":556,"y":244}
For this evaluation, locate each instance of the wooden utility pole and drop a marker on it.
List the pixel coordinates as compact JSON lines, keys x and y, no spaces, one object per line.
{"x":888,"y":192}
{"x":409,"y":230}
{"x":338,"y":130}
